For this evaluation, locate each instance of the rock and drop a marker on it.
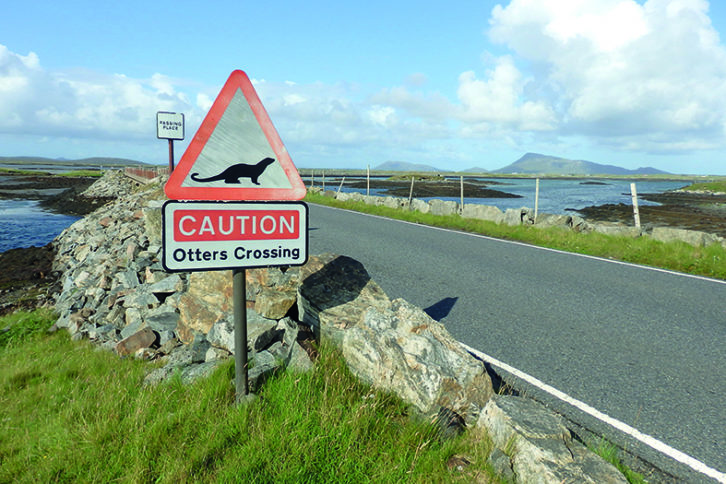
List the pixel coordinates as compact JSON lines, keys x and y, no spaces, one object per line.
{"x":216,"y":354}
{"x":501,"y":464}
{"x":141,"y":339}
{"x":334,"y":293}
{"x":208,"y":299}
{"x":401,"y":349}
{"x":617,"y":229}
{"x":691,"y":237}
{"x":443,"y":207}
{"x":162,"y":318}
{"x":298,"y":360}
{"x":549,"y":220}
{"x":539,"y":445}
{"x":264,"y":365}
{"x":275,"y":303}
{"x":420,"y":206}
{"x":164,"y":287}
{"x":513,"y":216}
{"x":482,"y":212}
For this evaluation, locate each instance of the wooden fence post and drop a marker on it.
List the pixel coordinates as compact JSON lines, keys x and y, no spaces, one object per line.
{"x":636,"y":212}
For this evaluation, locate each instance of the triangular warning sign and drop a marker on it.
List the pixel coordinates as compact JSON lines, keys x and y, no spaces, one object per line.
{"x":236,"y":154}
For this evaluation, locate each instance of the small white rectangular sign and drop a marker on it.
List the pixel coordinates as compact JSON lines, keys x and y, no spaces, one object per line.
{"x":169,"y":125}
{"x":205,"y":236}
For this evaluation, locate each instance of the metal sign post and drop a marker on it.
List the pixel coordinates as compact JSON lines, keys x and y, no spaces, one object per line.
{"x":170,"y":126}
{"x":237,"y":156}
{"x":239,"y":290}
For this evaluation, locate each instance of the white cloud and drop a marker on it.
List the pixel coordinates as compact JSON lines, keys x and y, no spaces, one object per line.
{"x":498,"y":100}
{"x":83,"y":104}
{"x":649,"y":77}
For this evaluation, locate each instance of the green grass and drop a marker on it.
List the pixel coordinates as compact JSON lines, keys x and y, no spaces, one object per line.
{"x":678,"y":256}
{"x":714,"y":186}
{"x":74,"y":413}
{"x":13,"y":171}
{"x":610,"y":453}
{"x":93,"y":173}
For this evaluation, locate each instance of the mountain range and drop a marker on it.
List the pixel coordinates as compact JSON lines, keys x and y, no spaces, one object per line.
{"x":535,"y":163}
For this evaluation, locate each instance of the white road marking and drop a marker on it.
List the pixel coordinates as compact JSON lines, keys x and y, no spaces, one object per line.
{"x":524,"y":244}
{"x":652,"y":442}
{"x":646,"y":439}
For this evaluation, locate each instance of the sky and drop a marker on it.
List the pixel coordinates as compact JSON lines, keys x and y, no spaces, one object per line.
{"x":454,"y":85}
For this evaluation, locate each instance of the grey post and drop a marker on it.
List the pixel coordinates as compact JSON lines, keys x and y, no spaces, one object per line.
{"x":239,"y":289}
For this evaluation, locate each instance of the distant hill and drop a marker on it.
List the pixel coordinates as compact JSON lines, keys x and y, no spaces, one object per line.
{"x":95,"y":161}
{"x":404,"y":166}
{"x":476,"y":169}
{"x":553,"y":165}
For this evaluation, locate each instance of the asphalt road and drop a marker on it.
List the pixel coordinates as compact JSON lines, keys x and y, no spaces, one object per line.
{"x":645,"y":347}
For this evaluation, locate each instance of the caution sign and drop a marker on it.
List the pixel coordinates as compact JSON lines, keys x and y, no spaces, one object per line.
{"x":199,"y":236}
{"x":236,"y":154}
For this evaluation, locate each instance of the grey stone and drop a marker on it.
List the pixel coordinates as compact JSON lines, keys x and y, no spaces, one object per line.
{"x":216,"y":354}
{"x":691,"y":237}
{"x":540,"y":446}
{"x":550,"y":220}
{"x":140,"y":298}
{"x":264,"y":365}
{"x":512,"y":216}
{"x":501,"y":464}
{"x":334,"y":293}
{"x":443,"y":207}
{"x":420,"y":206}
{"x":299,"y":361}
{"x":402,"y":350}
{"x":617,"y":229}
{"x":482,"y":212}
{"x":198,"y":370}
{"x":167,"y":286}
{"x":162,"y":318}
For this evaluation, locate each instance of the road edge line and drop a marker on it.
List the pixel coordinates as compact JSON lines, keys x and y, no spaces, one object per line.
{"x":646,"y":439}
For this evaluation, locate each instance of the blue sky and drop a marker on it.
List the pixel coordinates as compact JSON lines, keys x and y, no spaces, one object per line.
{"x":349,"y":84}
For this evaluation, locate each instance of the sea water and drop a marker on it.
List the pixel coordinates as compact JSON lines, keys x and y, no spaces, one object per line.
{"x":23,"y":223}
{"x":556,"y":196}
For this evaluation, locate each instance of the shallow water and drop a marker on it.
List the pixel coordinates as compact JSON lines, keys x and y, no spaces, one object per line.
{"x":23,"y":223}
{"x":555,"y":196}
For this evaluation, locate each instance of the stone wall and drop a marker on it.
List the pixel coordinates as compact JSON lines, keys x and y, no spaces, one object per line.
{"x":115,"y":293}
{"x":525,"y":216}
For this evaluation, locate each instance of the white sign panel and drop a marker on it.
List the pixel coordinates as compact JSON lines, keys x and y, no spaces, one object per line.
{"x":203,"y":236}
{"x":169,"y":125}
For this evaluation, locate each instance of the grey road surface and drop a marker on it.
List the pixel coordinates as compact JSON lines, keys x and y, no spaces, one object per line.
{"x":645,"y":347}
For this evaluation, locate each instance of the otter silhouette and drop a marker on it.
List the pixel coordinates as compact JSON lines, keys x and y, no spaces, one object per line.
{"x":240,"y":170}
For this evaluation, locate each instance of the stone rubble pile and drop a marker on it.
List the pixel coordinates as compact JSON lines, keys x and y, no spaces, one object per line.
{"x":115,"y":293}
{"x":525,"y":216}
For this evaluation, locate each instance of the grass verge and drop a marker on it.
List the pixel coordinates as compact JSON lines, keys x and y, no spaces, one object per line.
{"x":91,"y":173}
{"x":677,"y":256}
{"x":714,"y":186}
{"x":72,"y":412}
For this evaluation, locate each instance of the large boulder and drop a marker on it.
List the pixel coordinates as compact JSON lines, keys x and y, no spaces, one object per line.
{"x":399,"y":348}
{"x":208,"y":299}
{"x":539,"y":445}
{"x":692,"y":237}
{"x":443,"y":207}
{"x":334,"y":294}
{"x":482,"y":212}
{"x":392,"y":345}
